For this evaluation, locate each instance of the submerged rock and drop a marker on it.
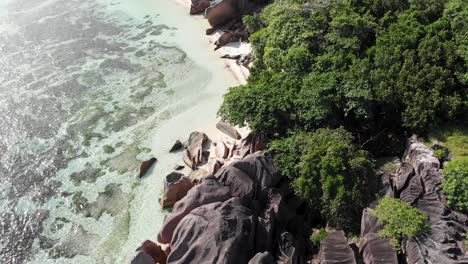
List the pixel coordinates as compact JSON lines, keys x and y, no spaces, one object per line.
{"x":176,"y":186}
{"x":178,"y":145}
{"x":178,"y":167}
{"x":145,"y":166}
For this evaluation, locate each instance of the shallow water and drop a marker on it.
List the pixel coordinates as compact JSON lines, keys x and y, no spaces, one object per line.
{"x":88,"y":89}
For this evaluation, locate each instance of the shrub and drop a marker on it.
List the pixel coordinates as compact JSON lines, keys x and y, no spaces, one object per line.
{"x":399,"y":220}
{"x":318,"y":236}
{"x":455,"y":184}
{"x":441,"y":154}
{"x":329,"y":171}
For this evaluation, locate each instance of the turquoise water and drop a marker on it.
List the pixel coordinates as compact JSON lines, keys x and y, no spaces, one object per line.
{"x":89,"y":89}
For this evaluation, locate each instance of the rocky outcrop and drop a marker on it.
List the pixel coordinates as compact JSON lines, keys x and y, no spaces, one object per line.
{"x":221,"y":232}
{"x":196,"y":152}
{"x":176,"y":186}
{"x":242,"y":210}
{"x":262,"y":258}
{"x":178,"y":145}
{"x":208,"y":191}
{"x":373,"y":248}
{"x":145,"y":166}
{"x":335,"y":249}
{"x":141,"y":257}
{"x":418,"y":183}
{"x":150,"y":249}
{"x":199,"y":6}
{"x":228,"y":130}
{"x":222,"y":11}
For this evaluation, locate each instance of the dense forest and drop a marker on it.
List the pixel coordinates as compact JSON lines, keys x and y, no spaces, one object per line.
{"x":336,"y":84}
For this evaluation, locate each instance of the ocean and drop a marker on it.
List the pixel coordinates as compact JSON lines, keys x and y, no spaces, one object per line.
{"x":88,"y":90}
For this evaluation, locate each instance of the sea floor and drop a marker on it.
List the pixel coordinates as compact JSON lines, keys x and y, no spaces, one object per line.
{"x":89,"y":89}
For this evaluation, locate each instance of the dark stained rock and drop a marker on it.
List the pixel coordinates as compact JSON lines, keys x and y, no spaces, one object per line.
{"x":178,"y":167}
{"x":176,"y":186}
{"x":197,"y":149}
{"x":335,"y":249}
{"x":199,"y":6}
{"x":224,"y":11}
{"x":262,"y":258}
{"x":261,"y":170}
{"x":208,"y":191}
{"x":221,"y":13}
{"x":214,"y":233}
{"x":177,"y":146}
{"x":239,"y":183}
{"x":142,"y":257}
{"x":154,"y":251}
{"x":228,"y":129}
{"x":145,"y":166}
{"x":224,"y":39}
{"x":287,"y":253}
{"x":377,"y":250}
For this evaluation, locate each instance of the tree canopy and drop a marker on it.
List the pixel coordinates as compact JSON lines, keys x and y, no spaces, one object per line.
{"x":399,"y":220}
{"x":329,"y":171}
{"x":367,"y":65}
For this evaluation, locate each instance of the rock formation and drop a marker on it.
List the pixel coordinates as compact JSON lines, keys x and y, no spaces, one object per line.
{"x":418,"y":183}
{"x":145,"y":166}
{"x":178,"y":145}
{"x":335,"y":249}
{"x":176,"y":186}
{"x":228,"y":130}
{"x":196,"y":152}
{"x":242,"y":210}
{"x":221,"y":232}
{"x":373,"y":248}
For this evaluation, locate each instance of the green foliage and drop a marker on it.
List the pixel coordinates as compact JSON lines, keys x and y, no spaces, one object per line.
{"x":329,"y":171}
{"x":455,"y":138}
{"x":367,"y":65}
{"x":440,"y":154}
{"x":399,"y":220}
{"x":318,"y":236}
{"x":455,"y":184}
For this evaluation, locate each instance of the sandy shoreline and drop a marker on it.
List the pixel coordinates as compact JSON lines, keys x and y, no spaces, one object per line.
{"x":240,"y":72}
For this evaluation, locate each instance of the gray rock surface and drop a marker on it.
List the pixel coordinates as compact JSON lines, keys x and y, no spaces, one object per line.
{"x":335,"y":249}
